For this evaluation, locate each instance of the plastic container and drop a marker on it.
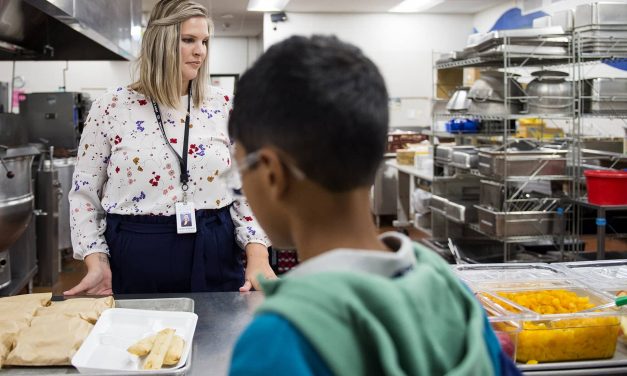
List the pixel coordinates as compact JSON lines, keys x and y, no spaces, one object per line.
{"x":606,"y":187}
{"x":462,"y":126}
{"x":605,"y":275}
{"x":544,"y":327}
{"x":535,"y":307}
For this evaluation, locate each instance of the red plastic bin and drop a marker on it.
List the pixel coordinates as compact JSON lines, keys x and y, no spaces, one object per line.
{"x":606,"y":187}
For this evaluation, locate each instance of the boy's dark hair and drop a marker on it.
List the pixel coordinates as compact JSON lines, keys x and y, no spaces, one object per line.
{"x":322,"y":102}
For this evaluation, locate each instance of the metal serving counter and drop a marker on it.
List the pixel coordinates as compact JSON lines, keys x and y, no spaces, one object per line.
{"x":222,"y":317}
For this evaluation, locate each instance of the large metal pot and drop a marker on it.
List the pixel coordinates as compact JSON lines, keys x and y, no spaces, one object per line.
{"x":550,"y":93}
{"x":16,"y":193}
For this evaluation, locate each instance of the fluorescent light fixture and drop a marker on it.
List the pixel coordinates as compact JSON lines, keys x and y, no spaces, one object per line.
{"x":414,"y":6}
{"x":266,"y":5}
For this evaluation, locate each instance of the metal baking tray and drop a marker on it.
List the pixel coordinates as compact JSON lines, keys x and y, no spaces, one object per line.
{"x":491,"y":194}
{"x":506,"y":224}
{"x":166,"y":304}
{"x":461,"y":212}
{"x":444,"y":153}
{"x":500,"y":164}
{"x":528,"y":35}
{"x":497,"y":51}
{"x":465,"y":159}
{"x":601,"y":13}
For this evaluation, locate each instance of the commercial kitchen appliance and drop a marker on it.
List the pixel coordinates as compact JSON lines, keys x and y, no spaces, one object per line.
{"x":56,"y":119}
{"x":16,"y":191}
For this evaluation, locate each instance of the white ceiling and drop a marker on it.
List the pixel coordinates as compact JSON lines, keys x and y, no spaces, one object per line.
{"x":231,"y":18}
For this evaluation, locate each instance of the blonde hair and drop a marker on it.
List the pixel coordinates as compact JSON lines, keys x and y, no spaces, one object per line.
{"x":160,"y":77}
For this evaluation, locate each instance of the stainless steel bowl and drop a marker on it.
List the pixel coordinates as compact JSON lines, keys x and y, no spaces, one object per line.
{"x":550,"y":93}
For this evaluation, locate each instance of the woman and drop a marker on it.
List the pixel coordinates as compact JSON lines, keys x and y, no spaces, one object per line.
{"x":151,"y":153}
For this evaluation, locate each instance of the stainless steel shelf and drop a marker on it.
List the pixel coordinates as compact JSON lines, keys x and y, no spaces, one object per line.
{"x":476,"y":172}
{"x":516,"y":60}
{"x":484,"y":136}
{"x":510,"y":239}
{"x":604,"y":116}
{"x":501,"y":117}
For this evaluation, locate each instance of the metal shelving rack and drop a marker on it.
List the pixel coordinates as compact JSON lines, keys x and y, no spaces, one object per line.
{"x":506,"y":62}
{"x":588,"y":54}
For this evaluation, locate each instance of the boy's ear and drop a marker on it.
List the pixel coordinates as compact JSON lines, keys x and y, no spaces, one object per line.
{"x":273,"y":173}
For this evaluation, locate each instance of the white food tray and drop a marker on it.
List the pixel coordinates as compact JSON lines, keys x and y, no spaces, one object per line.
{"x":104,"y":349}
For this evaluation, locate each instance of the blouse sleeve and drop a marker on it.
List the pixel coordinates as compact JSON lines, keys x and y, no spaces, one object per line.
{"x":87,"y":216}
{"x":247,"y":229}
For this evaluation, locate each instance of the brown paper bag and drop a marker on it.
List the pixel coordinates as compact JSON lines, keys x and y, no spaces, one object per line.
{"x":49,"y":341}
{"x":42,"y":299}
{"x":13,"y":318}
{"x":88,"y":309}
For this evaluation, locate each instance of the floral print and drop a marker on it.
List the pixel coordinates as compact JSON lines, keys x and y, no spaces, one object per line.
{"x":125,"y":166}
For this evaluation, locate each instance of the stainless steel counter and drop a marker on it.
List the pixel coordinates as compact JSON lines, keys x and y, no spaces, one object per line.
{"x":222,"y":316}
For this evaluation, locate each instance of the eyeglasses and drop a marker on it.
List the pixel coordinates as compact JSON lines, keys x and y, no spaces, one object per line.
{"x":236,"y":170}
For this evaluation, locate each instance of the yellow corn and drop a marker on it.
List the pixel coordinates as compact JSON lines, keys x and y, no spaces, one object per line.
{"x":565,"y":339}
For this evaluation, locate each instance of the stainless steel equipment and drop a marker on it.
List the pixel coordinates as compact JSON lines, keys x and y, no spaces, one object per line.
{"x":606,"y":14}
{"x":491,"y":194}
{"x":69,"y":30}
{"x":5,"y":269}
{"x":465,"y":159}
{"x":444,"y":153}
{"x":47,"y":201}
{"x":459,"y":102}
{"x":56,"y":119}
{"x":605,"y":96}
{"x":524,"y":223}
{"x":16,"y":200}
{"x":522,"y":164}
{"x":549,"y":93}
{"x":487,"y":94}
{"x":383,"y":192}
{"x":23,"y":257}
{"x":65,"y":170}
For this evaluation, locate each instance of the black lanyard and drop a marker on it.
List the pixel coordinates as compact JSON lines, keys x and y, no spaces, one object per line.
{"x":183,"y":159}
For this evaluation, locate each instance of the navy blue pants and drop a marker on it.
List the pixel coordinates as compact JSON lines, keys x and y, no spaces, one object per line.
{"x":148,"y":256}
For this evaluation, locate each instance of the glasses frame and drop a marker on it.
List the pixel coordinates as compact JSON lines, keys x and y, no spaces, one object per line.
{"x":251,"y":159}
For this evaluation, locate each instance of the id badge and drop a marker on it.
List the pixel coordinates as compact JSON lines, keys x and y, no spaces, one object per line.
{"x":185,"y":218}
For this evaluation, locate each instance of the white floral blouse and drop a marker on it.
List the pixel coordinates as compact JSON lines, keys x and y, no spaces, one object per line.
{"x":126,"y":167}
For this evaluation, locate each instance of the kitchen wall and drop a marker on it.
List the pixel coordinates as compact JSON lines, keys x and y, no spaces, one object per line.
{"x":228,"y":56}
{"x":400,"y":44}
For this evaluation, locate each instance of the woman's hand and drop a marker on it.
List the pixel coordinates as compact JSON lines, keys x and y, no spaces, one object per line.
{"x":256,"y":263}
{"x":97,"y":281}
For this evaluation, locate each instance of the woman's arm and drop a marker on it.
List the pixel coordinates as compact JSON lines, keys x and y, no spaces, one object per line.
{"x":87,"y":217}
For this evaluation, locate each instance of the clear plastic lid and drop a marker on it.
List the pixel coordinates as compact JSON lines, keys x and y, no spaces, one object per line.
{"x":605,"y":274}
{"x":492,"y":273}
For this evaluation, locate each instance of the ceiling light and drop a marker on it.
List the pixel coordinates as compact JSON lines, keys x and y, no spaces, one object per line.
{"x":414,"y":6}
{"x":266,"y":5}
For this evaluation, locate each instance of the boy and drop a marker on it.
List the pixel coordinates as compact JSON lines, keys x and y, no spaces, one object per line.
{"x":310,"y":122}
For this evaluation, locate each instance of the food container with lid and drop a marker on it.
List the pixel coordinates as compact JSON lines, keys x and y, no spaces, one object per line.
{"x":545,"y":325}
{"x":536,"y":306}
